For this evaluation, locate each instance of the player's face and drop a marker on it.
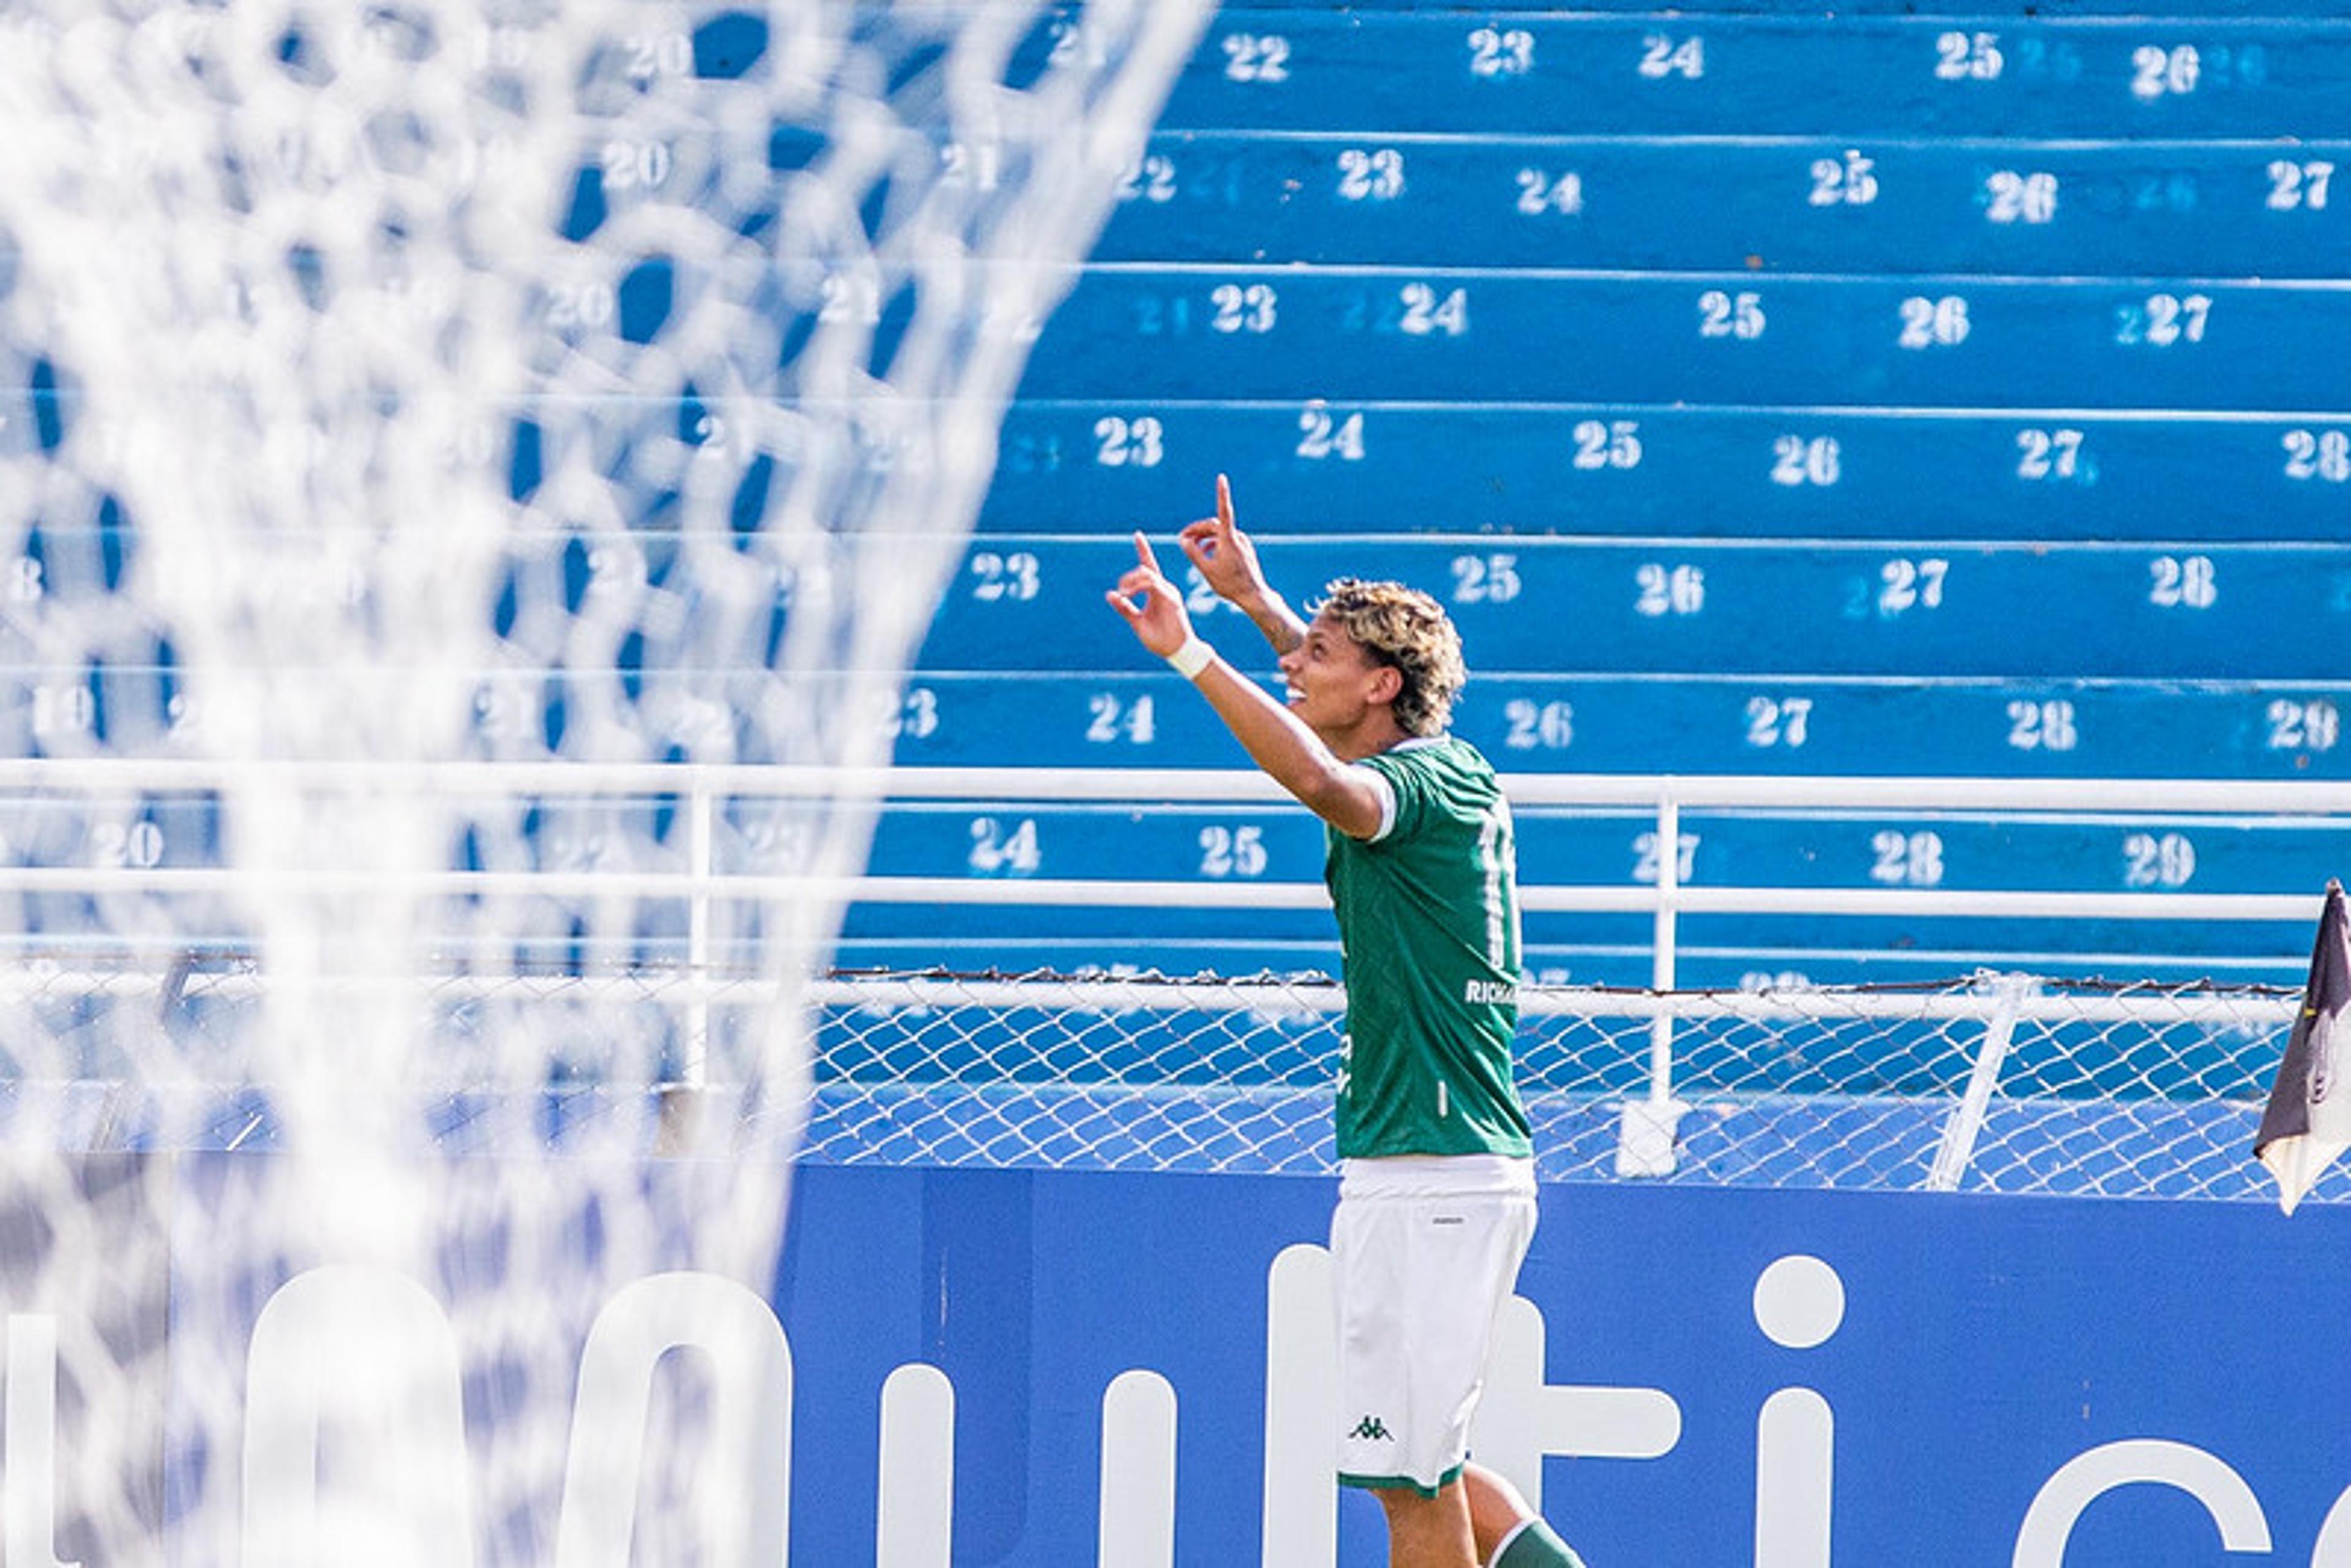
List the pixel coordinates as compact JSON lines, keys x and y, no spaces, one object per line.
{"x":1333,"y":681}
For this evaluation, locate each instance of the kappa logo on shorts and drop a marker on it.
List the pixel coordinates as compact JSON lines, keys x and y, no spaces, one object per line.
{"x":1371,"y":1428}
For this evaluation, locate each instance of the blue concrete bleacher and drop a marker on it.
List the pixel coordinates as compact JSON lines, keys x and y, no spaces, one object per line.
{"x":1762,"y":392}
{"x":1778,"y":204}
{"x":1772,"y":394}
{"x":1807,"y":341}
{"x":1549,"y":604}
{"x":1708,"y":69}
{"x":1780,"y":849}
{"x":2021,"y":474}
{"x":1758,"y":723}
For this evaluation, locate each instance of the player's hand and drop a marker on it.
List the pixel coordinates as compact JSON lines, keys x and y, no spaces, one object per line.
{"x":1153,"y":608}
{"x":1224,"y":556}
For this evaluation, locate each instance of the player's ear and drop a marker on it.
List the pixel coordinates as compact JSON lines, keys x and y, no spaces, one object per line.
{"x":1386,"y":683}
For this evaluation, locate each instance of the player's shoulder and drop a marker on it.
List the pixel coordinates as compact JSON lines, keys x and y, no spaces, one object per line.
{"x":1446,"y":754}
{"x":1443,"y":764}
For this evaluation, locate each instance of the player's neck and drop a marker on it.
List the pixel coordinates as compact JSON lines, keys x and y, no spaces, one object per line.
{"x":1377,"y":732}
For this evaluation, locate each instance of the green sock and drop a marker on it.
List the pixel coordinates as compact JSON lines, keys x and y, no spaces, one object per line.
{"x":1534,"y":1545}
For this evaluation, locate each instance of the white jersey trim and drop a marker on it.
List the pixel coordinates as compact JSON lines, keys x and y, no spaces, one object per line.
{"x":1387,"y":790}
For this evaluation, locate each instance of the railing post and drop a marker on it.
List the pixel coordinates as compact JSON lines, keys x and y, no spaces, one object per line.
{"x":1664,"y":956}
{"x":701,"y":811}
{"x":1646,"y":1131}
{"x":1959,"y":1132}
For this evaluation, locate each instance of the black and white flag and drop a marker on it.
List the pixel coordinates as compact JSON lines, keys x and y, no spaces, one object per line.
{"x":2308,"y":1121}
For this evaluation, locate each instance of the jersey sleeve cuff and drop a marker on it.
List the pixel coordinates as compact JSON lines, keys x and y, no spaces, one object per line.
{"x":1386,"y":790}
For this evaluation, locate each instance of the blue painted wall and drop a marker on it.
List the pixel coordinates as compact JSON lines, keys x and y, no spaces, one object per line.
{"x":1985,"y":1342}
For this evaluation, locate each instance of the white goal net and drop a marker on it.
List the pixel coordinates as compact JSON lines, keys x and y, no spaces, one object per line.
{"x":402,"y":406}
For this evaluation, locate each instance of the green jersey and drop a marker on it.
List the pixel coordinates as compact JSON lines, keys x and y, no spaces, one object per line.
{"x":1428,"y":932}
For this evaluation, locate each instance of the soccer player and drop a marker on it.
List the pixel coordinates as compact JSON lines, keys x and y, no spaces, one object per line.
{"x":1437,"y":1193}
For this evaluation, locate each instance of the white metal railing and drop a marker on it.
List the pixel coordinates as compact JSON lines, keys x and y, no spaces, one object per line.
{"x":2300,"y":796}
{"x":701,"y":787}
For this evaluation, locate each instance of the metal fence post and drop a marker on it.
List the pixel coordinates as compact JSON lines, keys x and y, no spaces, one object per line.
{"x":1646,"y":1129}
{"x":1967,"y":1118}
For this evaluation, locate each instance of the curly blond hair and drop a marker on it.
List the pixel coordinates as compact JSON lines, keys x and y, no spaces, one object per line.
{"x":1409,"y":631}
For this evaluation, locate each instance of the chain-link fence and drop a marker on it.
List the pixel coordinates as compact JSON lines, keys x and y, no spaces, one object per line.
{"x":1989,"y":1083}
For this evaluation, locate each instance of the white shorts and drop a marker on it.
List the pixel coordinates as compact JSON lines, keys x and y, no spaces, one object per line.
{"x":1424,"y":1251}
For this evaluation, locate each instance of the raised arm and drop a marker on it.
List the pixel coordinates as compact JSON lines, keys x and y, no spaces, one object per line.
{"x":1227,"y":562}
{"x":1277,"y":740}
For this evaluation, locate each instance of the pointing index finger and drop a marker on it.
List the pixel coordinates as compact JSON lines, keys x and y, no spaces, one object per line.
{"x":1142,"y":551}
{"x":1224,"y":506}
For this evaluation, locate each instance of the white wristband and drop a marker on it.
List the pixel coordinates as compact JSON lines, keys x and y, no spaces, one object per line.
{"x":1193,"y":657}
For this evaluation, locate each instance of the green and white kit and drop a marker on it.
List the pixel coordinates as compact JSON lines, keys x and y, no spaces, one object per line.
{"x":1436,"y":1196}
